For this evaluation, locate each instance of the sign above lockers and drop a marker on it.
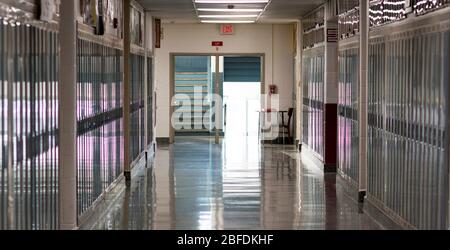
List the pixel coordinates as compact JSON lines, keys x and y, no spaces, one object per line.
{"x":105,"y":16}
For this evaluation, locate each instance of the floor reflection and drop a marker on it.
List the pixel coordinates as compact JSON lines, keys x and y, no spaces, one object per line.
{"x":239,"y":184}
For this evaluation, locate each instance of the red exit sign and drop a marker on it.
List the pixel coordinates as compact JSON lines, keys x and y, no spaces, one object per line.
{"x":226,"y":29}
{"x":217,"y":44}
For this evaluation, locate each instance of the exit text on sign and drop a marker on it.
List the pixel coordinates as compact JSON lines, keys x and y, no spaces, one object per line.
{"x":226,"y":29}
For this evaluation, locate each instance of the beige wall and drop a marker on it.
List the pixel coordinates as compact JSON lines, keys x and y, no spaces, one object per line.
{"x":275,"y":41}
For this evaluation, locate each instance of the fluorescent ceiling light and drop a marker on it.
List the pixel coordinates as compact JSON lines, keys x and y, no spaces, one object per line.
{"x":231,"y":1}
{"x":226,"y":21}
{"x":230,"y":10}
{"x":226,"y":16}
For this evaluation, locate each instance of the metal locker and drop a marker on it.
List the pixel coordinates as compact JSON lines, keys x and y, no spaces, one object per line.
{"x":99,"y":107}
{"x":30,"y":76}
{"x":348,"y":121}
{"x":410,"y":105}
{"x":313,"y":66}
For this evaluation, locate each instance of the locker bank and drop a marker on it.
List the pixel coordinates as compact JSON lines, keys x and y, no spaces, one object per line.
{"x":224,"y":115}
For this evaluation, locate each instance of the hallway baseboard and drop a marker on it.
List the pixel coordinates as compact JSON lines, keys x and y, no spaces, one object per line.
{"x":349,"y":187}
{"x":110,"y":197}
{"x":384,"y":220}
{"x":329,"y":168}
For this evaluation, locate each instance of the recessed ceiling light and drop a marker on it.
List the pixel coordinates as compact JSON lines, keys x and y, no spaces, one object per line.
{"x":226,"y":21}
{"x":229,"y":10}
{"x":226,"y":16}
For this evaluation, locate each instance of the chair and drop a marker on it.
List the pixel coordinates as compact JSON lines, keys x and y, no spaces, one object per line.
{"x":285,"y":129}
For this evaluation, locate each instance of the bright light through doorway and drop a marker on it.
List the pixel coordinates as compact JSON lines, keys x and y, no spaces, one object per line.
{"x":242,"y":122}
{"x":243,"y":102}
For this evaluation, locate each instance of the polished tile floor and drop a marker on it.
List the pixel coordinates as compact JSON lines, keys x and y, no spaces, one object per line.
{"x":238,"y":184}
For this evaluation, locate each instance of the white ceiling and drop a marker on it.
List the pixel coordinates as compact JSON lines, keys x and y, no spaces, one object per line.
{"x":182,"y":11}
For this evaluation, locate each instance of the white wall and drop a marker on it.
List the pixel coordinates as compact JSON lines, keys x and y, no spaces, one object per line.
{"x":284,"y":64}
{"x":275,"y":41}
